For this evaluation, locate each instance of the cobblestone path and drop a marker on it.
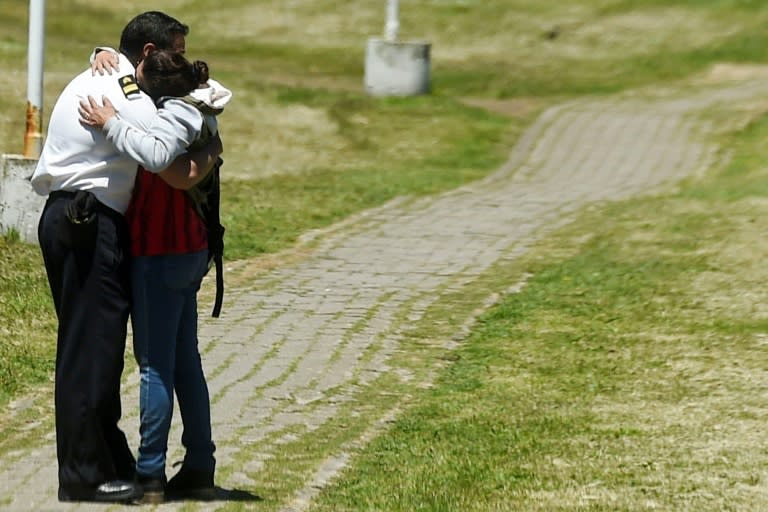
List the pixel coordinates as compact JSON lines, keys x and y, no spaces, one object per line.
{"x":290,"y":346}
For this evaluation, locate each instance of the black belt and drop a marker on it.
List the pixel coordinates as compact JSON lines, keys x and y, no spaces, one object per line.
{"x":99,"y":206}
{"x":61,"y":194}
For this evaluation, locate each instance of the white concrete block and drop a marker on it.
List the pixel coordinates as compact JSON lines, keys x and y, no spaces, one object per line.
{"x":397,"y":68}
{"x":20,"y":205}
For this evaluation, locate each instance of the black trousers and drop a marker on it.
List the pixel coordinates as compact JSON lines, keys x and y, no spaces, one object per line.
{"x":88,"y":273}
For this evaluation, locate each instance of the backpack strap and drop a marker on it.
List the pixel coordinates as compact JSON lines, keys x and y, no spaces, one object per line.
{"x":201,"y":105}
{"x":217,"y":260}
{"x":216,"y":234}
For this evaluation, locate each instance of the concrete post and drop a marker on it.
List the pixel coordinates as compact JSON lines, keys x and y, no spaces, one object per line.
{"x":20,"y":205}
{"x":396,"y":68}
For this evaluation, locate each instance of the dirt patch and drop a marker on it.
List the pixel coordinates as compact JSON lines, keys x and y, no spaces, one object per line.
{"x":514,"y":107}
{"x":728,"y":72}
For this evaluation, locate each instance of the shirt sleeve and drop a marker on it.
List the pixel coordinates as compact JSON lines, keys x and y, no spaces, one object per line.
{"x":175,"y":127}
{"x":100,"y":49}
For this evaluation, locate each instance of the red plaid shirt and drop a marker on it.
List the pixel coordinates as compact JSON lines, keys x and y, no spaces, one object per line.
{"x":162,"y":219}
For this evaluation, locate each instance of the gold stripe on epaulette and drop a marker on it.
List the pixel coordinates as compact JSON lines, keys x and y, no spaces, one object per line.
{"x":128,"y":85}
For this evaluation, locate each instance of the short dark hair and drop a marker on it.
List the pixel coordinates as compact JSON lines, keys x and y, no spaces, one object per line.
{"x":150,"y":27}
{"x":168,"y":73}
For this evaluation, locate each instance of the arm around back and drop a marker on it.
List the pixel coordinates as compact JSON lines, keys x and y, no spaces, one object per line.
{"x":175,"y":127}
{"x":190,"y":168}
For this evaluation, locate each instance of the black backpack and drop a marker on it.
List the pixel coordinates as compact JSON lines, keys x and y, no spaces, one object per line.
{"x":206,"y":197}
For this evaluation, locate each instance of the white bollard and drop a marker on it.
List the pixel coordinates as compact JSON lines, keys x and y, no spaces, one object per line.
{"x":397,"y":68}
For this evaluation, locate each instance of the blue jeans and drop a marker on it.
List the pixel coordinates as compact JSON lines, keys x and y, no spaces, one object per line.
{"x":164,"y":319}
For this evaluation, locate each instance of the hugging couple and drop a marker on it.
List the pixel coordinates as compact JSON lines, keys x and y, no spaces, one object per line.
{"x":131,"y":142}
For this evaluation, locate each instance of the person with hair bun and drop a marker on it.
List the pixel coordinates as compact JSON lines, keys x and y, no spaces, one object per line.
{"x":169,"y":249}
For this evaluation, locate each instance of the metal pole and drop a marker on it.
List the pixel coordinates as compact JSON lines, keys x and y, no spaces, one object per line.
{"x":393,"y":25}
{"x":33,"y":139}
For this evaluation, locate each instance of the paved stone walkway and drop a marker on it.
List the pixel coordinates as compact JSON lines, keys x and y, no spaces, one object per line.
{"x":288,"y":348}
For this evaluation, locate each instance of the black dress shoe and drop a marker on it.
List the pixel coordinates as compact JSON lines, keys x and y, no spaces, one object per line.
{"x":119,"y":491}
{"x":114,"y":491}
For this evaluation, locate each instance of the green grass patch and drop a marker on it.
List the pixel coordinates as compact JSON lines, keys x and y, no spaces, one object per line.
{"x":27,"y":323}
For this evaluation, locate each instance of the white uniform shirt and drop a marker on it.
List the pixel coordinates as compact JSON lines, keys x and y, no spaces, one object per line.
{"x":77,"y":157}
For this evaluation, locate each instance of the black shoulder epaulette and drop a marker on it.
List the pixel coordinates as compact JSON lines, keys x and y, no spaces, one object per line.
{"x":129,"y":86}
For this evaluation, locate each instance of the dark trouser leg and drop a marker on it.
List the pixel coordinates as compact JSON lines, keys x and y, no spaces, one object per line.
{"x":90,"y":290}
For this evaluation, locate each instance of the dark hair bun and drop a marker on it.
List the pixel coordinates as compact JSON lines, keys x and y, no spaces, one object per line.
{"x":200,"y":70}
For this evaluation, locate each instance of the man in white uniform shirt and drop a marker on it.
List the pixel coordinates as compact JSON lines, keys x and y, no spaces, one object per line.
{"x":84,"y":241}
